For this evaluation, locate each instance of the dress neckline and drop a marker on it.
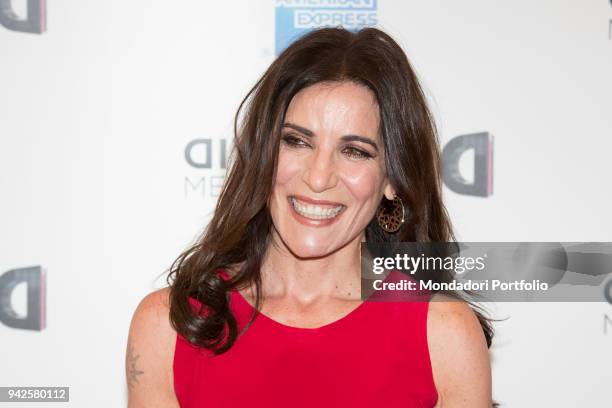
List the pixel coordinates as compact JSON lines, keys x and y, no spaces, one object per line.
{"x":338,"y":322}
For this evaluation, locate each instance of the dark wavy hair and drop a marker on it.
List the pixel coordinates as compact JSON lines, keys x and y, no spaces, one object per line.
{"x":239,"y":230}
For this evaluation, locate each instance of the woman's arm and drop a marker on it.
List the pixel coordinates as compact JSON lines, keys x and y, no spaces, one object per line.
{"x":150,"y":353}
{"x":459,"y":355}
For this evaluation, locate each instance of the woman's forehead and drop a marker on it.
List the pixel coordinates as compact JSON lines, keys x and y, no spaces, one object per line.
{"x":335,"y":107}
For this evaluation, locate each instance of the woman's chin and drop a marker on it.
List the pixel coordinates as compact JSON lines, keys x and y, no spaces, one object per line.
{"x":302,"y":250}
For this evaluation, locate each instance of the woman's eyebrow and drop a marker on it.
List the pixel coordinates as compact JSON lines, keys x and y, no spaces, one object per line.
{"x":348,"y":138}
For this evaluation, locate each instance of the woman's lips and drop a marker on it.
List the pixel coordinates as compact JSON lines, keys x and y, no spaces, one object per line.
{"x":312,"y":201}
{"x":314,"y":222}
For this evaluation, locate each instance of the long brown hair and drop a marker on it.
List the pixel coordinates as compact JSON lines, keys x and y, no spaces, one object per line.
{"x":240,"y":227}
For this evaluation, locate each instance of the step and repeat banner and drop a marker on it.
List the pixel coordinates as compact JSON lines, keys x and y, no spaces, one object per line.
{"x":116,"y":122}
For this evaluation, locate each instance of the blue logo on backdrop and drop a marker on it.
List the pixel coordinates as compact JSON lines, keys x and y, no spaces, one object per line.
{"x":295,"y":17}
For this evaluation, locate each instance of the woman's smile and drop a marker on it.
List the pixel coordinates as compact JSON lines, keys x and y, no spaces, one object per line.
{"x":314,"y":214}
{"x":330,"y":171}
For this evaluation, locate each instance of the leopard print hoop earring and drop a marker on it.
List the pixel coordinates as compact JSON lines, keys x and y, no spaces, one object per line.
{"x":391,"y":218}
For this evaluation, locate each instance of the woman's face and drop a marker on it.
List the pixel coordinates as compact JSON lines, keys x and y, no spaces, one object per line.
{"x":330,"y":151}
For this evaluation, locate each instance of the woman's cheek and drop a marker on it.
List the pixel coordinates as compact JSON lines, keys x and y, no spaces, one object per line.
{"x":363,"y":181}
{"x":287,"y":166}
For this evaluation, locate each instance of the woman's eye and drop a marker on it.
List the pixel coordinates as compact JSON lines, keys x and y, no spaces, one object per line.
{"x":352,"y":152}
{"x":358,"y":154}
{"x":293,"y":141}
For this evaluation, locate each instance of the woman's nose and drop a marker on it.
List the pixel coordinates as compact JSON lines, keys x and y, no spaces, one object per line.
{"x":320,"y":173}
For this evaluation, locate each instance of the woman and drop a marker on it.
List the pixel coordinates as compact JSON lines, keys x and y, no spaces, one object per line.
{"x":337,"y":142}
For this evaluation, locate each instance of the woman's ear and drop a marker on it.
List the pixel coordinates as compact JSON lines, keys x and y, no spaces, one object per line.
{"x":389,"y":191}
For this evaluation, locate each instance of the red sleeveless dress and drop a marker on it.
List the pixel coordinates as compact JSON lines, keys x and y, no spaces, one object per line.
{"x":376,"y":356}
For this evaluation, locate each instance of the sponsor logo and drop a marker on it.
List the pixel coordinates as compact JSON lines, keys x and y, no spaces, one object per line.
{"x":481,"y":183}
{"x":34,"y":279}
{"x":295,"y":17}
{"x":34,"y":22}
{"x":209,"y":155}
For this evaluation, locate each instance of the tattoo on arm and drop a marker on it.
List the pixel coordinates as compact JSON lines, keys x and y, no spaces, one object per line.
{"x":131,"y":369}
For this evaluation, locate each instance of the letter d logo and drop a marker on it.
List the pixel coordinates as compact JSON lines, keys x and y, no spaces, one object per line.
{"x":34,"y":278}
{"x":482,"y":144}
{"x":35,"y":22}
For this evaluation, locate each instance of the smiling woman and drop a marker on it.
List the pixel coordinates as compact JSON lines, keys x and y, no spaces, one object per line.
{"x":321,"y":156}
{"x":266,"y":308}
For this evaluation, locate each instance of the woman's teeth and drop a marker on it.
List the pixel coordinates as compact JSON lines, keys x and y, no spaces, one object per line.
{"x":315,"y":211}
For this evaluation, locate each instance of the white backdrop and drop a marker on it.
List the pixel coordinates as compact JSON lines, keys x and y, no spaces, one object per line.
{"x":96,"y":113}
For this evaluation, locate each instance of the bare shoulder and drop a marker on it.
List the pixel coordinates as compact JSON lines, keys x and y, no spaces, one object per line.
{"x":457,"y":346}
{"x":150,"y":353}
